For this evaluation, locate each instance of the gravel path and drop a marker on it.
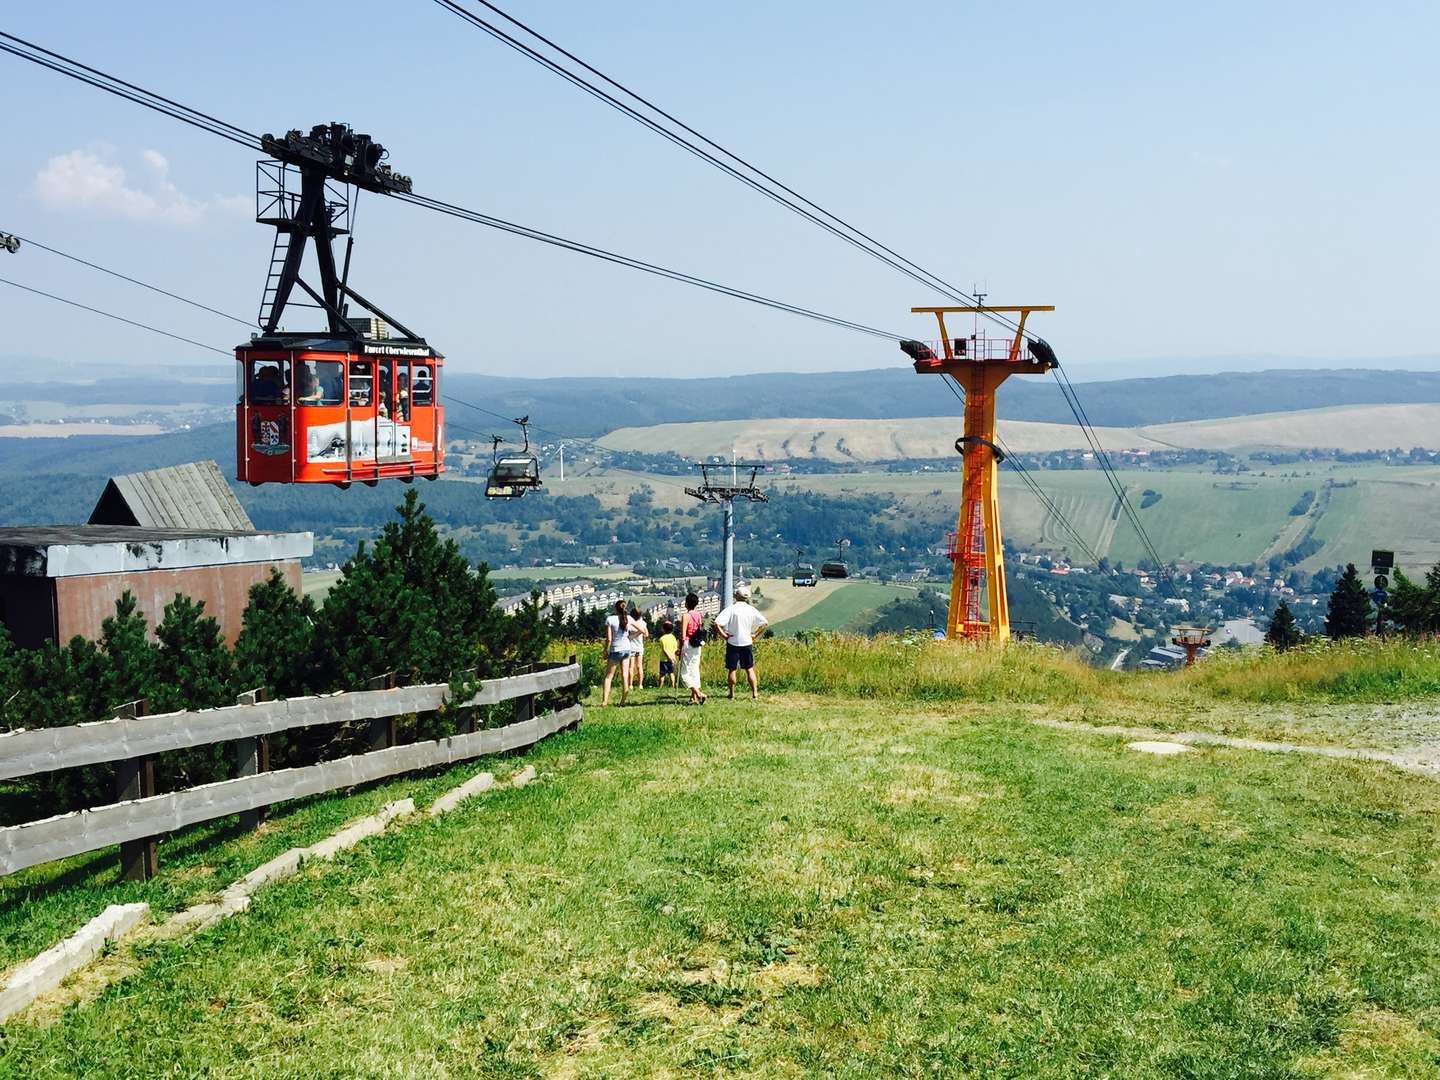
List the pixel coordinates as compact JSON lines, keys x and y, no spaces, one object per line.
{"x":1423,"y":759}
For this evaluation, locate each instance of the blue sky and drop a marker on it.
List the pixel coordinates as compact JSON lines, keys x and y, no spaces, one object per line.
{"x":1195,"y":188}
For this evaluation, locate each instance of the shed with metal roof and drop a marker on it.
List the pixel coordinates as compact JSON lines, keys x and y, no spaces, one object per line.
{"x":189,"y":496}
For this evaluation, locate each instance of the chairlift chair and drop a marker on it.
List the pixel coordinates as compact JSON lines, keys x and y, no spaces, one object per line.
{"x":837,"y":567}
{"x":513,"y":474}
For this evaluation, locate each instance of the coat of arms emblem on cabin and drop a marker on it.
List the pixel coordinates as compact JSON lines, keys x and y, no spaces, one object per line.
{"x":270,"y":436}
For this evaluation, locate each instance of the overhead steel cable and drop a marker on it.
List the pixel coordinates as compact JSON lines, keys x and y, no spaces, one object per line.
{"x":777,"y":190}
{"x":28,"y":50}
{"x":135,"y":281}
{"x":816,"y":214}
{"x":117,"y":318}
{"x":491,"y":221}
{"x":1102,"y":458}
{"x":120,"y":88}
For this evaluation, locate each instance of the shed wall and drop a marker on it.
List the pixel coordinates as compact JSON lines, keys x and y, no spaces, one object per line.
{"x":85,"y":601}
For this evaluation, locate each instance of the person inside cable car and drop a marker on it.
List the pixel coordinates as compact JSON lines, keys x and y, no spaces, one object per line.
{"x":402,"y":398}
{"x":311,"y":392}
{"x":267,"y":387}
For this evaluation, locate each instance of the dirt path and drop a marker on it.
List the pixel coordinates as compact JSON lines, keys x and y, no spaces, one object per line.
{"x":1424,"y":760}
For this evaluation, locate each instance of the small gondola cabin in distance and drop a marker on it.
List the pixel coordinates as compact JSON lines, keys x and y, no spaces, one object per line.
{"x":354,"y":401}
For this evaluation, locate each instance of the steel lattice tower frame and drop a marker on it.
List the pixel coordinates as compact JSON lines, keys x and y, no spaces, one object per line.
{"x":979,"y":608}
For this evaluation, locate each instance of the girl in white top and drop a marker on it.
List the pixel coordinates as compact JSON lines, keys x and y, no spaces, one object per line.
{"x":617,"y":652}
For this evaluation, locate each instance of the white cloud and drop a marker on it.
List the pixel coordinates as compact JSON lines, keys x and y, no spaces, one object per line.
{"x":90,"y":179}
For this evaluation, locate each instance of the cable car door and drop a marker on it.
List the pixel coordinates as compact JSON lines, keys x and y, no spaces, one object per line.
{"x":392,"y":418}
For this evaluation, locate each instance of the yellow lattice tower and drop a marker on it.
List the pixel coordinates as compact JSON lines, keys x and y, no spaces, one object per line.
{"x":979,"y":610}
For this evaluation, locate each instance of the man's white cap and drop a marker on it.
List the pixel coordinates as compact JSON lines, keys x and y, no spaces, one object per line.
{"x":742,"y":592}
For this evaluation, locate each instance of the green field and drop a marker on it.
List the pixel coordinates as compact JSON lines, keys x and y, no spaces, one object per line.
{"x":845,"y":608}
{"x":819,"y":885}
{"x":1202,"y":516}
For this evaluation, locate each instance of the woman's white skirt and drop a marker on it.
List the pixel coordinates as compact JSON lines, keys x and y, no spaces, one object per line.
{"x":690,"y":667}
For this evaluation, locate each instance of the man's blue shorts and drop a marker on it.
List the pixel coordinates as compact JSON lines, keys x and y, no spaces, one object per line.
{"x":739,"y":656}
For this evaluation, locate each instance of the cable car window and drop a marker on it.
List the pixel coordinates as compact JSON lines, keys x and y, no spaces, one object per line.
{"x":386,"y":395}
{"x":362,"y":378}
{"x":402,"y":393}
{"x":270,"y":382}
{"x":424,"y":385}
{"x":321,"y":383}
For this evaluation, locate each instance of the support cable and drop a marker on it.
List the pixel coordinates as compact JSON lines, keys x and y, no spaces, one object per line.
{"x":204,"y":121}
{"x":136,"y":281}
{"x":816,"y":214}
{"x":1102,"y":458}
{"x":117,"y":318}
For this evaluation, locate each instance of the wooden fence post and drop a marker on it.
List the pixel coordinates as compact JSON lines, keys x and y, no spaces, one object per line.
{"x":252,"y":756}
{"x":525,"y":703}
{"x":135,"y":779}
{"x":382,"y":729}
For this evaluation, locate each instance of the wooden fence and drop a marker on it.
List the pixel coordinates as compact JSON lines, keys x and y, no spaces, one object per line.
{"x":133,"y":741}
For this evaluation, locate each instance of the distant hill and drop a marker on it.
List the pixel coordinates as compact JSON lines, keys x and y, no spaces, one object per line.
{"x":591,"y":407}
{"x":104,"y":455}
{"x":1345,"y":427}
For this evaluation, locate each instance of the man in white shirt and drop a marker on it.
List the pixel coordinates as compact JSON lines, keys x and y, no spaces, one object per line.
{"x":740,"y":624}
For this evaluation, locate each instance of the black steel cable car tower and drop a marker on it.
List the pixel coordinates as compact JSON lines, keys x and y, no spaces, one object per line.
{"x":329,"y":161}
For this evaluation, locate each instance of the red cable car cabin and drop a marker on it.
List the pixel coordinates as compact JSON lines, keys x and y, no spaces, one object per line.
{"x":313,"y":409}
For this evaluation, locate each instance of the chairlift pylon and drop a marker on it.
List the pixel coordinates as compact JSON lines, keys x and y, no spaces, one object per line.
{"x":513,"y":474}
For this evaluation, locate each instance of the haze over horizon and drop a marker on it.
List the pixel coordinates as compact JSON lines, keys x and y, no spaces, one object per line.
{"x":1212,"y":192}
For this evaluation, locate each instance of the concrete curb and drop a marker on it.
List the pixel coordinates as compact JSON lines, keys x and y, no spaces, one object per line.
{"x":236,"y":898}
{"x":455,"y":796}
{"x":50,"y":968}
{"x":523,"y":777}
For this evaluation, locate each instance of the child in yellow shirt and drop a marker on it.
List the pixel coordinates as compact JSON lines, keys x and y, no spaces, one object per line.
{"x":669,"y":651}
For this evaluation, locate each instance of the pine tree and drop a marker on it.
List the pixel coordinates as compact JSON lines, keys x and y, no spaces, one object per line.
{"x":1349,"y":612}
{"x":59,"y":686}
{"x":128,"y":654}
{"x":1408,"y":606}
{"x":1432,"y":593}
{"x":9,"y":678}
{"x":193,"y":668}
{"x":1413,"y":607}
{"x":276,"y":645}
{"x":1283,"y":633}
{"x":412,"y":605}
{"x":192,"y":671}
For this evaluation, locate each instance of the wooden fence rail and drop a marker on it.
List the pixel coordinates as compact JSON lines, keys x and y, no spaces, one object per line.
{"x":129,"y":739}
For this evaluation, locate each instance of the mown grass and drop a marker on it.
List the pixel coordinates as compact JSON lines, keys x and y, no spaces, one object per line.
{"x":825,"y":887}
{"x":43,"y":904}
{"x":844,"y":607}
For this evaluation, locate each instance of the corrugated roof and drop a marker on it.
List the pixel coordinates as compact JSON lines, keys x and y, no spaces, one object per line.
{"x":190,"y":496}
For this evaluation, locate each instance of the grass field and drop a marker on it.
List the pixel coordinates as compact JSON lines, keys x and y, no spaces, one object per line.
{"x":317,"y":584}
{"x":825,"y":886}
{"x":847,"y":605}
{"x":784,"y":601}
{"x":1229,"y":520}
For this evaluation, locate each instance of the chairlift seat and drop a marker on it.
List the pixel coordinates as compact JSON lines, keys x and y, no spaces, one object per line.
{"x":834,"y":570}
